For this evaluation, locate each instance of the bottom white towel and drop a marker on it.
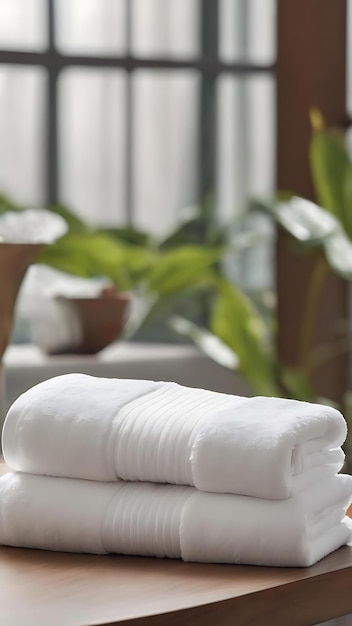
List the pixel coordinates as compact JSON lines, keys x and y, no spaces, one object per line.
{"x":146,"y":519}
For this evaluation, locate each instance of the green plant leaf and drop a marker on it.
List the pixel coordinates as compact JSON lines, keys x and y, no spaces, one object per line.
{"x":181,"y":268}
{"x":236,"y":322}
{"x":305,"y":220}
{"x":329,"y":161}
{"x":94,"y":254}
{"x":198,"y":226}
{"x":7,"y":205}
{"x":296,"y":384}
{"x":269,"y":205}
{"x":347,"y":191}
{"x":139,"y":262}
{"x":75,"y":224}
{"x":338,"y":250}
{"x":208,"y":343}
{"x":129,"y":235}
{"x":141,"y":311}
{"x":193,"y":232}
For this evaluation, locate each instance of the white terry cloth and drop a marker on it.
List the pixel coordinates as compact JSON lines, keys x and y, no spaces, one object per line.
{"x":80,"y":426}
{"x":73,"y":515}
{"x":270,"y":448}
{"x":173,"y":521}
{"x":295,"y":532}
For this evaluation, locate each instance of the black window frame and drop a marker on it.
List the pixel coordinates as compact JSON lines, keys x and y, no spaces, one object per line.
{"x":208,"y":64}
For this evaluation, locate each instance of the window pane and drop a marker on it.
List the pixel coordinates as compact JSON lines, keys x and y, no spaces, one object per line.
{"x":165,"y":147}
{"x":246,"y":143}
{"x":261,"y":135}
{"x":22,"y":24}
{"x":92,"y":144}
{"x":231,"y":149}
{"x":166,"y":27}
{"x":22,"y":133}
{"x":247,"y":30}
{"x":246,"y":168}
{"x":91,"y":26}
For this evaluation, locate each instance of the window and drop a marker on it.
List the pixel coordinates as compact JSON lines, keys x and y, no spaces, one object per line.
{"x":130,"y":110}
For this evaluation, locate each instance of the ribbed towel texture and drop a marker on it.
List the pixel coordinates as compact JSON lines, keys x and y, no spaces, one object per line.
{"x":153,"y":468}
{"x":147,"y":519}
{"x":78,"y":426}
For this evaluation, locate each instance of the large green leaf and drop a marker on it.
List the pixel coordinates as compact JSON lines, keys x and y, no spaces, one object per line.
{"x":305,"y":220}
{"x":208,"y":343}
{"x":329,"y":161}
{"x":95,"y":254}
{"x":198,"y":226}
{"x":193,"y":232}
{"x":181,"y":268}
{"x":139,"y":262}
{"x":236,"y":322}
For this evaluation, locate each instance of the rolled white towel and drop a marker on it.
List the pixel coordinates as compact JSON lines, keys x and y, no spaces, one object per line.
{"x":172,"y":521}
{"x":102,"y":429}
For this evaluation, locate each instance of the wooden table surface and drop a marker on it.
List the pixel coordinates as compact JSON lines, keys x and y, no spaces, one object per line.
{"x":47,"y":589}
{"x":39,"y":588}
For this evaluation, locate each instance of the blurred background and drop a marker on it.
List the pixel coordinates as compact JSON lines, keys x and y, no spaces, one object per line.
{"x":124,"y":141}
{"x":169,"y":126}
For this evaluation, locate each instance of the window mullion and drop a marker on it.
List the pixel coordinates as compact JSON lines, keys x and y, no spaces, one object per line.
{"x":129,"y":137}
{"x":52,"y":112}
{"x":208,"y":122}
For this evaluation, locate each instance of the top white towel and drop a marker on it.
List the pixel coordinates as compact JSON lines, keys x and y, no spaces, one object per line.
{"x":102,"y":429}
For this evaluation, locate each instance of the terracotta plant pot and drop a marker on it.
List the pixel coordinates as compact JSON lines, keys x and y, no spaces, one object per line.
{"x":101,"y":321}
{"x":15,"y":258}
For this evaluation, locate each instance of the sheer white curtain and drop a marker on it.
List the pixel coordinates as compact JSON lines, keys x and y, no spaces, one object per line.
{"x":22,"y":24}
{"x":246,"y":141}
{"x":164,"y":114}
{"x":165,"y":111}
{"x":21,"y":133}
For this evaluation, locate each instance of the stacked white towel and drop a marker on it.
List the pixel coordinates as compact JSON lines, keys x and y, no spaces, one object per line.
{"x":253,"y":480}
{"x":78,"y":426}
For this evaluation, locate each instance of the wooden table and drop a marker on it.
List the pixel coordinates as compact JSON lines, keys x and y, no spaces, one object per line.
{"x":47,"y":589}
{"x":39,"y":588}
